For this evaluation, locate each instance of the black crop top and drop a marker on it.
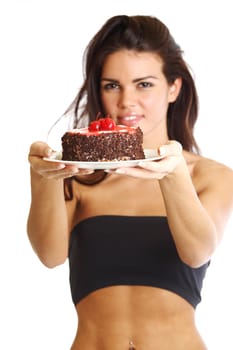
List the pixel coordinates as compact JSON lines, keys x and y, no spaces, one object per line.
{"x":129,"y":250}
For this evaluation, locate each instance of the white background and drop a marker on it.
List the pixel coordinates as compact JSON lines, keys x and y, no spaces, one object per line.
{"x":40,"y":71}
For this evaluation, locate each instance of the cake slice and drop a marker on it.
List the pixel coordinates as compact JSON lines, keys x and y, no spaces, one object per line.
{"x":103,"y":141}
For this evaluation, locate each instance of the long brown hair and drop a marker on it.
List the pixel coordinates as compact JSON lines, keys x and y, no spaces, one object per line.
{"x":142,"y":34}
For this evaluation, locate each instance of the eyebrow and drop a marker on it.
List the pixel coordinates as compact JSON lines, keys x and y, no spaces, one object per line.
{"x":134,"y":81}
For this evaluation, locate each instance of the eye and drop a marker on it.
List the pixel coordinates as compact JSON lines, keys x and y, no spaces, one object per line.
{"x":110,"y":86}
{"x":145,"y":84}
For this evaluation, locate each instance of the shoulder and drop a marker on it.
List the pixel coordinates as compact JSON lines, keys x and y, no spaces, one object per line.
{"x":206,"y":168}
{"x":212,"y":170}
{"x":212,"y":179}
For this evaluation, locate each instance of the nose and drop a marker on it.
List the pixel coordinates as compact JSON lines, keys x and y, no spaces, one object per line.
{"x":127,"y":98}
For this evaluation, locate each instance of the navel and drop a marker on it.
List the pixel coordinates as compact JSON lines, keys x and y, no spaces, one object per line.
{"x":131,"y":345}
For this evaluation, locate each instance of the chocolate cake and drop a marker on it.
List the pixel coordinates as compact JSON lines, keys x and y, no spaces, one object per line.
{"x":104,"y":142}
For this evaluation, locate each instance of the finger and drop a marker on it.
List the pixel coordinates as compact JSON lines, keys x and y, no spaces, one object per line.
{"x":42,"y":167}
{"x":137,"y":172}
{"x":39,"y":149}
{"x":65,"y":175}
{"x":85,"y":171}
{"x":172,"y":148}
{"x":156,"y":170}
{"x":63,"y":171}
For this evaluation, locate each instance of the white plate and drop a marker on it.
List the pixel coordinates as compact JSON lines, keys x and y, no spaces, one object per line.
{"x":150,"y":155}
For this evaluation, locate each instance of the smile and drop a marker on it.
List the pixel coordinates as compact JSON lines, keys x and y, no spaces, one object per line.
{"x":129,"y":120}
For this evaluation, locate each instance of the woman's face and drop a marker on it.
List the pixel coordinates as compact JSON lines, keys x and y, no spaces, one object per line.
{"x":134,"y":91}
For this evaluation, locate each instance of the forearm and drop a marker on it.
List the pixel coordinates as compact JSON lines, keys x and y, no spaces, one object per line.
{"x":193,"y":230}
{"x":47,"y":224}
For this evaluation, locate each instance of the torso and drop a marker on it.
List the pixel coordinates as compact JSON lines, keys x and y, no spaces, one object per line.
{"x":152,"y":318}
{"x":149,"y":317}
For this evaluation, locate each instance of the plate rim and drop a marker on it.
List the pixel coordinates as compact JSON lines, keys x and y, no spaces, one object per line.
{"x":98,"y":165}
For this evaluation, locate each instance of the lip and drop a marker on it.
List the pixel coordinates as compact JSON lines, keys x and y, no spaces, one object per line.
{"x":129,"y":120}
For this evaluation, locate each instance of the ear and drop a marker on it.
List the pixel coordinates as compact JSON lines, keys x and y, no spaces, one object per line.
{"x":174,"y":90}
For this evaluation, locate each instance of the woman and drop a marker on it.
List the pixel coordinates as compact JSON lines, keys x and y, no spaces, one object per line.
{"x":139,"y":240}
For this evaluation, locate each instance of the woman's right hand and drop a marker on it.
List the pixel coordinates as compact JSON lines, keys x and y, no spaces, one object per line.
{"x":51,"y":170}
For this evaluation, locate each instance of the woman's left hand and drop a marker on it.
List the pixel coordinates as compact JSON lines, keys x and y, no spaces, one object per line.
{"x":171,"y":157}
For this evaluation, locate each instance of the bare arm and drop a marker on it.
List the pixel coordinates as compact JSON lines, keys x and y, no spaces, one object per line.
{"x":47,"y":224}
{"x":49,"y":221}
{"x":196,"y":220}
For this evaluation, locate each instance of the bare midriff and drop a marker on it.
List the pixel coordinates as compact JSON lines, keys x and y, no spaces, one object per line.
{"x":136,"y":317}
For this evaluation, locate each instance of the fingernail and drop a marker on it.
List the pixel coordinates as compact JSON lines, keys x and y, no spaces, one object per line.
{"x":109,"y":171}
{"x":61,"y":166}
{"x":162,"y":151}
{"x":49,"y":151}
{"x":88,"y":172}
{"x":120,"y":171}
{"x":113,"y":171}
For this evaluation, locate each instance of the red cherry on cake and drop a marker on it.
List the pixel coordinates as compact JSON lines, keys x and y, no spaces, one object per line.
{"x":102,"y":124}
{"x":94,"y":126}
{"x":107,"y":123}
